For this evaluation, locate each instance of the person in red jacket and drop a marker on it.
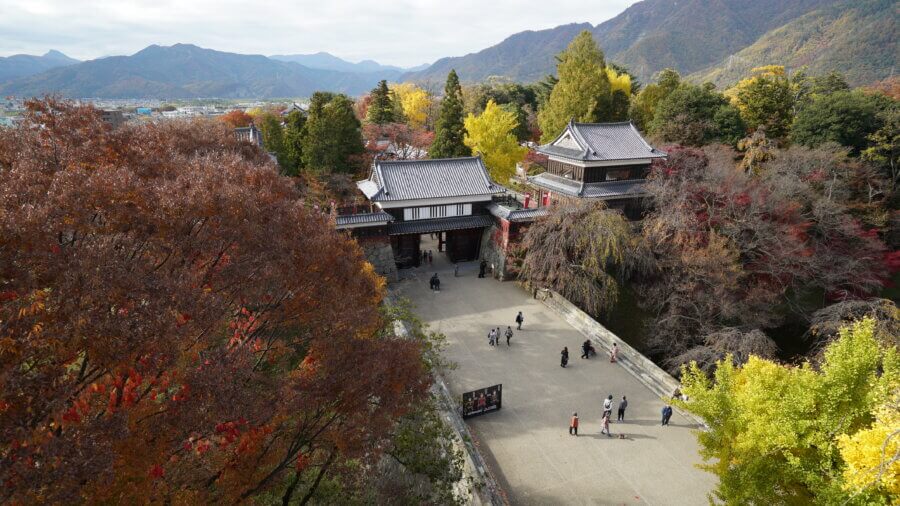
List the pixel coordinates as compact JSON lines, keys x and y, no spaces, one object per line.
{"x":573,"y":425}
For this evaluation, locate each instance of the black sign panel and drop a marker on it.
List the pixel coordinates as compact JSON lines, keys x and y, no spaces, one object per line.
{"x":482,"y":401}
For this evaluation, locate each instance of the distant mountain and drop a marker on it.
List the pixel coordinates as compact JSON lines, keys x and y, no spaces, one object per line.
{"x":525,"y":56}
{"x":857,"y":37}
{"x":689,"y":35}
{"x":23,"y":65}
{"x":327,"y":61}
{"x":697,"y":35}
{"x":188,"y":71}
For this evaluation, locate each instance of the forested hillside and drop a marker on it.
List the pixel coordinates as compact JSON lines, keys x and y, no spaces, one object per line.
{"x":718,"y":40}
{"x":858,"y":38}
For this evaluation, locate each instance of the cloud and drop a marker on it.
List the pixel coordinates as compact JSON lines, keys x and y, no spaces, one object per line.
{"x":399,"y":32}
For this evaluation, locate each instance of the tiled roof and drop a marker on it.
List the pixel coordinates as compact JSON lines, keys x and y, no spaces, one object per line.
{"x":604,"y":190}
{"x":426,"y":179}
{"x":614,"y":189}
{"x":363,"y":218}
{"x":516,"y":215}
{"x":603,"y":142}
{"x":440,"y":224}
{"x":556,"y":183}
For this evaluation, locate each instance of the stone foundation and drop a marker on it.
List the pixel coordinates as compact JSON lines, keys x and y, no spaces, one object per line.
{"x":492,"y":251}
{"x":381,"y":256}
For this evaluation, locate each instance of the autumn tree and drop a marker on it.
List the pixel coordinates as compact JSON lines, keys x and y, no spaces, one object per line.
{"x":450,"y":130}
{"x":176,"y":327}
{"x":333,"y":139}
{"x":734,"y":250}
{"x":766,"y":99}
{"x":397,"y":141}
{"x":580,"y":251}
{"x":491,"y":136}
{"x":414,"y":101}
{"x":236,"y":118}
{"x":583,"y":91}
{"x":802,"y":435}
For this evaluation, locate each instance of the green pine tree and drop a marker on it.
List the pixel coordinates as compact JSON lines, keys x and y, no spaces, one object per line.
{"x":583,"y":91}
{"x":333,"y":139}
{"x":382,"y":109}
{"x":450,"y":129}
{"x":294,"y":130}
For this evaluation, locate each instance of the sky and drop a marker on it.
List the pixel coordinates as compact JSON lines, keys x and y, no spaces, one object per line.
{"x":392,"y":32}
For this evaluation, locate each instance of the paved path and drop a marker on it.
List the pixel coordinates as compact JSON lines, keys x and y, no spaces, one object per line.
{"x":526,"y":443}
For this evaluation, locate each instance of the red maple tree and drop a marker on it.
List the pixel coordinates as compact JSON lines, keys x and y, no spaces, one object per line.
{"x":175,"y":324}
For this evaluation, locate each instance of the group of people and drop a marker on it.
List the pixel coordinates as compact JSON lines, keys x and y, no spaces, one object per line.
{"x":494,"y":336}
{"x":427,"y":257}
{"x":604,"y":420}
{"x":588,"y":351}
{"x":435,"y":283}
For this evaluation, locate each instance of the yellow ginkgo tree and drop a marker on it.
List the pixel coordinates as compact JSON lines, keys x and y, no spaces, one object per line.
{"x":414,"y":101}
{"x":491,"y":135}
{"x":825,"y":434}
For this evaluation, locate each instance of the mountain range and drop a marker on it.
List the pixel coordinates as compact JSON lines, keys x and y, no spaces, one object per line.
{"x":22,"y":65}
{"x":705,"y":40}
{"x":327,"y":61}
{"x":709,"y":39}
{"x":184,"y":71}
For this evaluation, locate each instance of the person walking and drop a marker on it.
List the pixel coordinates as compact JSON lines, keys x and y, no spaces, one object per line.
{"x":604,"y":424}
{"x":564,"y":357}
{"x":519,"y":320}
{"x":573,"y":425}
{"x":622,"y":405}
{"x":607,"y":406}
{"x":430,"y":258}
{"x":481,"y":268}
{"x":491,"y":336}
{"x":614,"y":353}
{"x":424,"y":257}
{"x":455,"y":270}
{"x":509,"y":334}
{"x":666,"y":414}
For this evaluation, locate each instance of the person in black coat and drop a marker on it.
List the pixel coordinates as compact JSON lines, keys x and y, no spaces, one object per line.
{"x":564,"y":357}
{"x":482,"y":267}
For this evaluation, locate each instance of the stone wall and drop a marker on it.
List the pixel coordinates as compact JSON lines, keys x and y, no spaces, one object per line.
{"x":381,"y":256}
{"x":493,"y":249}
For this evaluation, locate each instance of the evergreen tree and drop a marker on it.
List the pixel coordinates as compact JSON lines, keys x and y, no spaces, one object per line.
{"x":382,"y":109}
{"x":273,"y":136}
{"x":583,"y":91}
{"x":333,"y":137}
{"x":450,"y":129}
{"x":696,"y":115}
{"x":294,"y":130}
{"x":845,"y":117}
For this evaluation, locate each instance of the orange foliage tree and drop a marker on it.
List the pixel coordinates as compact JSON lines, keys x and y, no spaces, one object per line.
{"x":237,"y":118}
{"x":176,"y":325}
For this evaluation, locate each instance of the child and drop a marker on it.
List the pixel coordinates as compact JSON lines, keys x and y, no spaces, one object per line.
{"x":573,"y":425}
{"x":605,"y":424}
